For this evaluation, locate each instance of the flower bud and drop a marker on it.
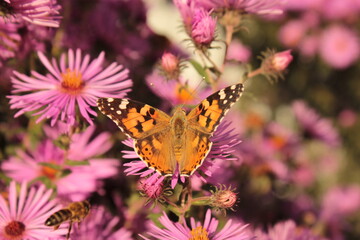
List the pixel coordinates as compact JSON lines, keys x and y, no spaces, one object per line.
{"x":169,"y":62}
{"x":274,"y":64}
{"x":203,"y":28}
{"x":223,"y":198}
{"x":281,"y":60}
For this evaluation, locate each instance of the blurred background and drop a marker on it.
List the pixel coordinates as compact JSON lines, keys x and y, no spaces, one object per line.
{"x":300,"y":153}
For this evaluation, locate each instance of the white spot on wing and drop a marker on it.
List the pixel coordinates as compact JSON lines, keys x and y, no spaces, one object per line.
{"x":123,"y":104}
{"x":222,"y":94}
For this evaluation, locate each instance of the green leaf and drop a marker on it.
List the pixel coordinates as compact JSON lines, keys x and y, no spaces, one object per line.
{"x":51,"y":165}
{"x":65,"y":172}
{"x":76,"y":163}
{"x":200,"y":69}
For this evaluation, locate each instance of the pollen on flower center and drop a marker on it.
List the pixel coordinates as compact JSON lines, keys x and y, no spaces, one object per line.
{"x":48,"y":172}
{"x":199,"y":233}
{"x":71,"y":81}
{"x":183,"y":94}
{"x":14,"y":229}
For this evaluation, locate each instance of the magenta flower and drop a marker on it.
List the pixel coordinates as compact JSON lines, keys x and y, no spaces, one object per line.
{"x":197,"y":230}
{"x":39,"y":12}
{"x":23,"y":214}
{"x":339,"y":46}
{"x":203,"y":28}
{"x":100,"y":224}
{"x":50,"y":163}
{"x":74,"y":83}
{"x":224,"y":145}
{"x":313,"y":125}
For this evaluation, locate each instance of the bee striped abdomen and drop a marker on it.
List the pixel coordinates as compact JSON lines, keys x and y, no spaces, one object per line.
{"x":58,"y":217}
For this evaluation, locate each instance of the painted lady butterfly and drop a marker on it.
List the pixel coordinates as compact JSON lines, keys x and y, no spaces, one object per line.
{"x":168,"y":143}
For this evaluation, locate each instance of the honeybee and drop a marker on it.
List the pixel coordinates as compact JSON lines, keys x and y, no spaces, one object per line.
{"x":74,"y":212}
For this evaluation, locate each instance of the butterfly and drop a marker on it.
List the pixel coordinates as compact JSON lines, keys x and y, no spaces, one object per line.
{"x":170,"y":143}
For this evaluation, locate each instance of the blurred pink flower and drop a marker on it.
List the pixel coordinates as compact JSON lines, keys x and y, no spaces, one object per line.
{"x":24,"y":213}
{"x":238,"y":52}
{"x":313,"y":125}
{"x":339,"y":46}
{"x":347,"y":118}
{"x":292,"y":33}
{"x":50,"y":163}
{"x":198,"y":230}
{"x":340,"y":202}
{"x":303,"y":4}
{"x":100,"y":224}
{"x":309,"y":45}
{"x":77,"y":83}
{"x":175,"y":91}
{"x":287,"y":230}
{"x":39,"y":12}
{"x":340,"y":9}
{"x":9,"y":39}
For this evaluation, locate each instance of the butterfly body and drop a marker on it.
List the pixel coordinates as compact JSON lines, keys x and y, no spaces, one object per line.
{"x":166,"y":143}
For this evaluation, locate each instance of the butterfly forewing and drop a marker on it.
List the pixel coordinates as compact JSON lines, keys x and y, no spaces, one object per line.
{"x":209,"y":113}
{"x":165,"y":143}
{"x":137,"y":120}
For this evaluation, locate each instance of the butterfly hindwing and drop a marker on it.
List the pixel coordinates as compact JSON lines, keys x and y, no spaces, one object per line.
{"x":197,"y":147}
{"x":135,"y":119}
{"x":209,"y":113}
{"x":156,"y":152}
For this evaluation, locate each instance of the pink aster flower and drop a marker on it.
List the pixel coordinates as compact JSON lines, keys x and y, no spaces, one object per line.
{"x":100,"y":224}
{"x":39,"y":12}
{"x":24,"y":213}
{"x":74,"y":83}
{"x":224,"y":145}
{"x":50,"y":163}
{"x":198,"y":230}
{"x":203,"y":28}
{"x":313,"y":125}
{"x":339,"y":46}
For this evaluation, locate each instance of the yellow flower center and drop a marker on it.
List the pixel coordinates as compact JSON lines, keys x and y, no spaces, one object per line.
{"x":71,"y":81}
{"x":278,"y":142}
{"x":199,"y":233}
